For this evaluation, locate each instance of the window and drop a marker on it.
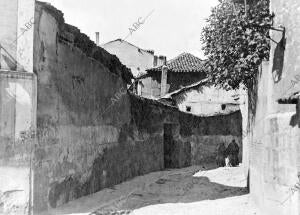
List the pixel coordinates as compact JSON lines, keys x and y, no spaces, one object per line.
{"x":223,"y":106}
{"x":188,"y":108}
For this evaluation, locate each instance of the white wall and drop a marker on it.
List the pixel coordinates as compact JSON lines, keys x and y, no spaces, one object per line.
{"x":129,"y":55}
{"x":17,"y":122}
{"x":16,"y":36}
{"x":208,"y":101}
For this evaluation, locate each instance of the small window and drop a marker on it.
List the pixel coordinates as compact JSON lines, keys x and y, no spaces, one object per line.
{"x":188,"y":108}
{"x":223,"y":107}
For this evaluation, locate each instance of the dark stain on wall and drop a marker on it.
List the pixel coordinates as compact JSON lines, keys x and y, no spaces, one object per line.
{"x":113,"y":166}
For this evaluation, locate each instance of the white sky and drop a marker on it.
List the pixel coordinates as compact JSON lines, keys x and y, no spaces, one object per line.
{"x":173,"y":27}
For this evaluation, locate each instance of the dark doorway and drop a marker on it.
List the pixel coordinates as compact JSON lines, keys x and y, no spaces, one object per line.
{"x":169,"y":147}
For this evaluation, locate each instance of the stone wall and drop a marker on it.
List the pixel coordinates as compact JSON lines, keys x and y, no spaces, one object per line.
{"x":274,"y":140}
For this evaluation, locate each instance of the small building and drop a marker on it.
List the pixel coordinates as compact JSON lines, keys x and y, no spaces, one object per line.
{"x":138,"y":60}
{"x":203,"y":99}
{"x":135,"y":58}
{"x":181,"y":71}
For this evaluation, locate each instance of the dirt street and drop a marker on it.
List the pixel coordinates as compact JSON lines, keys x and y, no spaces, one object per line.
{"x":194,"y":190}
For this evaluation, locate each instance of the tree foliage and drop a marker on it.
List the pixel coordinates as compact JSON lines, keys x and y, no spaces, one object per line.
{"x":236,"y":43}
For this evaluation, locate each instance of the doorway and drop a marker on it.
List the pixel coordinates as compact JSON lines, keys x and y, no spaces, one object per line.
{"x":169,"y":147}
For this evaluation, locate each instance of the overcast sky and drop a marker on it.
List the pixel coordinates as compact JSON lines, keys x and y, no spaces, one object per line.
{"x":173,"y":27}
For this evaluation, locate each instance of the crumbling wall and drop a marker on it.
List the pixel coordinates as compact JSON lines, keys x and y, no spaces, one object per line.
{"x":86,"y":140}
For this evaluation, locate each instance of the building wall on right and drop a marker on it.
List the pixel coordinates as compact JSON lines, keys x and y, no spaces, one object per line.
{"x":274,"y":128}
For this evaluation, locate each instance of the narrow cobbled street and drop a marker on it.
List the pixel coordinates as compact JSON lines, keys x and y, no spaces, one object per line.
{"x":193,"y":190}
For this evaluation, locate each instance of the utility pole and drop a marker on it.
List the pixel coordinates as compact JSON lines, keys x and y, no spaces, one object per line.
{"x":245,"y":1}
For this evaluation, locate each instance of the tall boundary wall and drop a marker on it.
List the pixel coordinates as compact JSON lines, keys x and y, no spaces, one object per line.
{"x":89,"y":133}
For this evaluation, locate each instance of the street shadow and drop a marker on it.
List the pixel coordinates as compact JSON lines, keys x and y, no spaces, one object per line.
{"x":186,"y":185}
{"x":176,"y":189}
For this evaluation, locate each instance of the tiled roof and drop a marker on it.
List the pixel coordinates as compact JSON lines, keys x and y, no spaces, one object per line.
{"x":185,"y":62}
{"x":183,"y":89}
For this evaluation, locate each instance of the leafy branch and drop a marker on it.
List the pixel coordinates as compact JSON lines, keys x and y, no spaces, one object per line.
{"x":235,"y":43}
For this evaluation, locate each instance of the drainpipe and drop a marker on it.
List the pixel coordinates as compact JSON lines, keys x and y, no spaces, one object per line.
{"x":164,"y":77}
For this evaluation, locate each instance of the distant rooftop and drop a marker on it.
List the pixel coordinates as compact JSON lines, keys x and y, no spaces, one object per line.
{"x":151,"y":52}
{"x":185,"y":62}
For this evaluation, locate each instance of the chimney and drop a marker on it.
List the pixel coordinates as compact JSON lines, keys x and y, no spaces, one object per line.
{"x":162,"y":60}
{"x":150,"y":51}
{"x":97,"y":38}
{"x":155,"y":59}
{"x":164,"y":78}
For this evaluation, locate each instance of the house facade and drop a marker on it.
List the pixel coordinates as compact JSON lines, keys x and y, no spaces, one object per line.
{"x":181,"y":71}
{"x":138,"y":60}
{"x":135,"y":58}
{"x":203,"y":99}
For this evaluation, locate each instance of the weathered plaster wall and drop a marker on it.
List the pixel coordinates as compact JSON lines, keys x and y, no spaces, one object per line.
{"x":273,"y":153}
{"x":17,"y":106}
{"x":17,"y":126}
{"x":207,"y":100}
{"x":8,"y":23}
{"x":85,"y":141}
{"x":200,"y":136}
{"x":16,"y":37}
{"x":90,"y":133}
{"x":274,"y":147}
{"x":138,"y":60}
{"x":25,"y":29}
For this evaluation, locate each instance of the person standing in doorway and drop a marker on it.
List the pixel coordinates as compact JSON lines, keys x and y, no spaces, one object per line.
{"x":220,"y":159}
{"x":232,"y":152}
